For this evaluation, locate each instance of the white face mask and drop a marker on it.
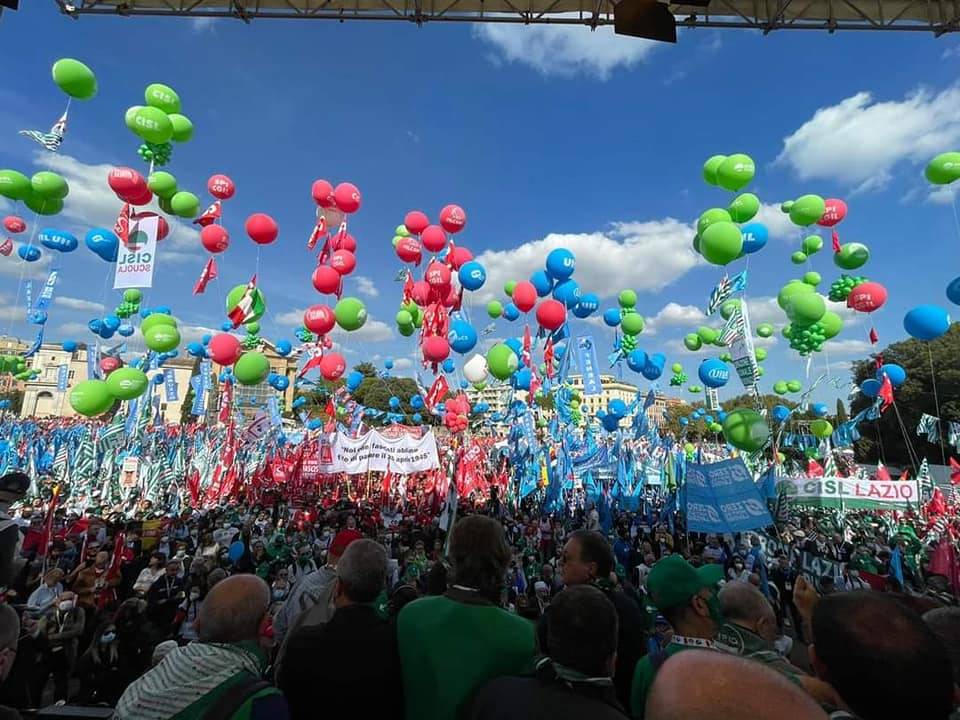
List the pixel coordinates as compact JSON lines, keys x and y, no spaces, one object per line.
{"x":66,"y":605}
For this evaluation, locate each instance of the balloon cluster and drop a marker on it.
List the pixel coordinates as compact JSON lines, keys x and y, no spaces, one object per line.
{"x":160,"y":331}
{"x":746,"y":430}
{"x":782,"y":387}
{"x":132,"y":188}
{"x":719,"y":239}
{"x":158,"y":123}
{"x":455,"y":413}
{"x":841,"y":287}
{"x":679,"y":376}
{"x":811,"y":324}
{"x":247,"y":368}
{"x":16,"y":365}
{"x":43,"y":192}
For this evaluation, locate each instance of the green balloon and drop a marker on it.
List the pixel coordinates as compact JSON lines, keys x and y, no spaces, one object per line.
{"x":237,"y":292}
{"x":406,"y":330}
{"x":794,"y":386}
{"x":396,"y":240}
{"x":74,"y":78}
{"x":794,"y":287}
{"x":692,"y":342}
{"x":721,"y":243}
{"x":627,"y":299}
{"x":812,"y":244}
{"x":185,"y":204}
{"x":746,"y":430}
{"x":182,"y":128}
{"x":404,"y":318}
{"x":14,"y":185}
{"x":760,"y":354}
{"x":502,"y":362}
{"x":707,"y":334}
{"x":944,"y":168}
{"x":710,"y":168}
{"x":350,"y":313}
{"x":695,"y":389}
{"x":133,"y":296}
{"x":162,"y":338}
{"x":165,"y":205}
{"x":821,"y":428}
{"x":832,"y":324}
{"x":130,"y":117}
{"x":494,"y":309}
{"x":735,"y":172}
{"x":761,"y":371}
{"x":805,"y":309}
{"x":162,"y":97}
{"x":716,"y":427}
{"x":711,"y":216}
{"x":807,"y":209}
{"x":785,"y":206}
{"x":508,"y":287}
{"x":726,"y":357}
{"x":780,"y":387}
{"x":150,"y":124}
{"x":127,"y":383}
{"x":851,"y":256}
{"x":41,"y":205}
{"x":744,"y":207}
{"x":676,"y":368}
{"x":156,"y":319}
{"x":728,"y":308}
{"x":91,"y":397}
{"x":49,"y":185}
{"x":798,"y":258}
{"x":252,"y":327}
{"x":401,"y":231}
{"x":251,"y":368}
{"x":696,"y":243}
{"x":764,"y":330}
{"x":812,"y":278}
{"x":162,"y":184}
{"x":631,"y":323}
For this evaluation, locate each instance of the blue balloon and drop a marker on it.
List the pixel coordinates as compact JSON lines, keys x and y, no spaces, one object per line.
{"x":611,"y":316}
{"x":659,"y":359}
{"x":897,"y":375}
{"x":561,"y":263}
{"x":282,"y":383}
{"x":417,"y":418}
{"x":207,"y":338}
{"x":416,"y":402}
{"x":388,"y":363}
{"x":157,"y":379}
{"x":926,"y":322}
{"x":112,"y":322}
{"x":567,"y":292}
{"x":510,"y":312}
{"x":714,"y":373}
{"x":37,"y":317}
{"x":28,"y":253}
{"x":708,"y":419}
{"x":721,"y":416}
{"x":636,"y":360}
{"x":58,"y":240}
{"x":462,"y":336}
{"x":394,"y":402}
{"x":464,"y":384}
{"x":298,"y":403}
{"x":820,"y":410}
{"x":315,"y":424}
{"x":146,"y":312}
{"x":780,"y":413}
{"x":163,"y":310}
{"x":236,"y":551}
{"x":472,"y":275}
{"x":448,"y":365}
{"x":353,"y":380}
{"x":69,"y":346}
{"x":870,"y":388}
{"x":651,"y":371}
{"x":684,"y":421}
{"x":125,"y":330}
{"x":559,"y":351}
{"x":523,"y":378}
{"x":283,"y":347}
{"x":226,"y":327}
{"x":617,"y":407}
{"x":515,"y":345}
{"x":105,"y":332}
{"x":136,"y":363}
{"x":953,"y":291}
{"x":103,"y":243}
{"x":542,"y":282}
{"x":755,"y":236}
{"x":610,"y":423}
{"x":588,"y":305}
{"x":196,"y":349}
{"x":95,"y":326}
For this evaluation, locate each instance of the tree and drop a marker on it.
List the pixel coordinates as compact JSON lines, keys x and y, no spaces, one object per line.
{"x":367,"y":369}
{"x":841,"y":411}
{"x":186,"y":417}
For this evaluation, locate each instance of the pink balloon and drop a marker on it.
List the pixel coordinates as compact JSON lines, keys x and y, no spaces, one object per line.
{"x":224,"y":349}
{"x":109,"y":364}
{"x":14,"y":224}
{"x":409,"y":250}
{"x":262,"y":228}
{"x":420,"y":293}
{"x":459,"y":256}
{"x":221,"y":187}
{"x":326,"y":280}
{"x":551,"y":314}
{"x":345,"y":241}
{"x":435,"y":348}
{"x":322,"y":192}
{"x":524,"y":296}
{"x":126,"y":181}
{"x":438,"y":276}
{"x":332,"y":366}
{"x":453,"y":218}
{"x":215,"y":238}
{"x":347,"y":197}
{"x":319,"y":319}
{"x":434,"y":238}
{"x":343,"y":261}
{"x":835,"y":211}
{"x":867,"y":297}
{"x":416,"y":221}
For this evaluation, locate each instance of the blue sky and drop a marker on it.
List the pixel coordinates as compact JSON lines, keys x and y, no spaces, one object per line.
{"x":546,"y":136}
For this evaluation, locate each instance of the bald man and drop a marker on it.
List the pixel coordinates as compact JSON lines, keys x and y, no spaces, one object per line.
{"x":750,"y":627}
{"x":703,"y":685}
{"x":221,"y":674}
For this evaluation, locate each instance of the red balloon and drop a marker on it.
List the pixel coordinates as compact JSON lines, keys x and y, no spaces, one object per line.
{"x":453,"y":218}
{"x":343,"y":261}
{"x":420,"y":293}
{"x":109,"y":364}
{"x":452,"y":297}
{"x":409,"y":250}
{"x":867,"y":297}
{"x":346,"y":241}
{"x":332,"y":366}
{"x":163,"y":227}
{"x":221,"y":187}
{"x":326,"y":280}
{"x":524,"y":296}
{"x":126,"y":181}
{"x":322,"y":192}
{"x":319,"y":319}
{"x":435,"y":348}
{"x":551,"y":314}
{"x":14,"y":224}
{"x":834,"y":212}
{"x":459,"y":256}
{"x":224,"y":349}
{"x":416,"y":221}
{"x":139,"y":199}
{"x":347,"y":197}
{"x":262,"y":228}
{"x":437,"y":276}
{"x":215,"y":238}
{"x":434,"y":238}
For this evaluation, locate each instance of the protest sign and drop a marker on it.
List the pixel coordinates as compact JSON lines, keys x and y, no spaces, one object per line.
{"x":851,"y":493}
{"x":374,"y":452}
{"x":814,"y":567}
{"x":722,"y":498}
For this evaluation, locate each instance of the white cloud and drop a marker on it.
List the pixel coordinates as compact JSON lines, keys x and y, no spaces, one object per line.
{"x":638,"y":255}
{"x":402,"y":364}
{"x":372,"y":331}
{"x":942,"y":195}
{"x":290,"y":318}
{"x":366,"y":286}
{"x":78,"y":304}
{"x":858,"y":141}
{"x":951,"y":52}
{"x":72,"y":331}
{"x":777,"y":222}
{"x":194,"y":333}
{"x":847,"y":347}
{"x":564,"y":50}
{"x":674,"y":315}
{"x":202,"y":24}
{"x":18,"y":268}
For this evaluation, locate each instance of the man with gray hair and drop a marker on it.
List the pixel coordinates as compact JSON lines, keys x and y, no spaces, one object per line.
{"x":354,"y":652}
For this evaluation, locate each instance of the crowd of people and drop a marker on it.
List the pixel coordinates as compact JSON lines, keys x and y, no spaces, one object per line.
{"x":266,"y":610}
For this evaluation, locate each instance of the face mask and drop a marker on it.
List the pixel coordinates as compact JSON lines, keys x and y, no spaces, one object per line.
{"x":278,"y":594}
{"x":164,"y":539}
{"x":195,"y":595}
{"x":107,"y":638}
{"x":66,"y":605}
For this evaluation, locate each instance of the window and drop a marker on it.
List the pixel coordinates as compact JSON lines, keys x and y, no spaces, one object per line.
{"x":71,"y":374}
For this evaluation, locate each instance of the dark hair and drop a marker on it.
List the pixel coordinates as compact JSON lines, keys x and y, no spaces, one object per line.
{"x":882,"y":658}
{"x":582,"y":630}
{"x":479,"y":555}
{"x":594,"y":548}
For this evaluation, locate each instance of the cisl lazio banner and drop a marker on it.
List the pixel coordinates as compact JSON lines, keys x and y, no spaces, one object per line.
{"x":374,"y":452}
{"x":136,"y":259}
{"x":851,"y":493}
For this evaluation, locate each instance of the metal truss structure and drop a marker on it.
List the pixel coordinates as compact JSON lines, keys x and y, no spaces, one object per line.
{"x":933,"y":16}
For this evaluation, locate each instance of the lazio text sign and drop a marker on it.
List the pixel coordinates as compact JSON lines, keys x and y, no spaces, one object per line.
{"x":850,"y":493}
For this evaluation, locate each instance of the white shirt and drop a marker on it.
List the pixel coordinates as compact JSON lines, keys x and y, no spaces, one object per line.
{"x":145,"y":579}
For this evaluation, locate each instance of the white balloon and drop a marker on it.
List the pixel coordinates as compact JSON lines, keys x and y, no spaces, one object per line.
{"x":475,"y":370}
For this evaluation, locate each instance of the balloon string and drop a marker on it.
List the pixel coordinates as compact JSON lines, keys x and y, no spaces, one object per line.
{"x":914,"y":457}
{"x":23,"y":270}
{"x":956,"y":216}
{"x":936,"y":401}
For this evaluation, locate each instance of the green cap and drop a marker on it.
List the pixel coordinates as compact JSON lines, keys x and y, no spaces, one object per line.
{"x":673,"y":581}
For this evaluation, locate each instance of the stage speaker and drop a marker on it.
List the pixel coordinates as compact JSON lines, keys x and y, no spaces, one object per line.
{"x":644,"y":19}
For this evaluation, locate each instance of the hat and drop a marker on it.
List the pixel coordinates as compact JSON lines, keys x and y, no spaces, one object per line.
{"x":341,"y":540}
{"x":673,"y":581}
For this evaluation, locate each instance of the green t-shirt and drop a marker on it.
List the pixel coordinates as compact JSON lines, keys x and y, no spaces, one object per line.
{"x":451,"y":645}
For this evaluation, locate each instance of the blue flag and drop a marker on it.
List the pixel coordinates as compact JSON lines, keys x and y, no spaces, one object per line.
{"x":722,"y":498}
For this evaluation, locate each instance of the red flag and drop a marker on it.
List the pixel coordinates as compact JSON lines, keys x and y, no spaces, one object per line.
{"x":436,"y":392}
{"x":882,"y":473}
{"x":121,"y":228}
{"x":311,"y":364}
{"x":209,"y":273}
{"x":548,"y":357}
{"x":874,"y":337}
{"x":836,"y":241}
{"x":814,"y":469}
{"x":319,"y":230}
{"x":226,"y":401}
{"x":6,"y":247}
{"x":937,"y":504}
{"x":209,"y":215}
{"x":243,"y":310}
{"x":954,"y":471}
{"x":387,"y":482}
{"x":886,"y":393}
{"x":118,"y":547}
{"x":527,"y":346}
{"x":408,"y":287}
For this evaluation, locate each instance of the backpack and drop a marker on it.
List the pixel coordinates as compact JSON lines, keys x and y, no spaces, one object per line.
{"x":235,"y":696}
